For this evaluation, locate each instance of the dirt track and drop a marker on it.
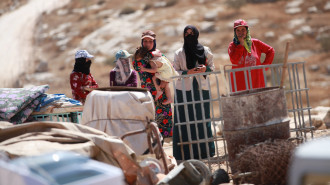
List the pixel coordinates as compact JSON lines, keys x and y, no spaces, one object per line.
{"x":17,"y":38}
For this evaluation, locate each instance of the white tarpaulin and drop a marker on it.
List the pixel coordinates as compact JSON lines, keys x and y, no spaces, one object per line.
{"x":119,"y":112}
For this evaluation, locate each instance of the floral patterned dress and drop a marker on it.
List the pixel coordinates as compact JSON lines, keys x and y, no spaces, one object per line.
{"x":163,"y":112}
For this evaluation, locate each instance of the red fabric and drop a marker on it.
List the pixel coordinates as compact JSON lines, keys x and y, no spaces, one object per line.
{"x":78,"y":81}
{"x":241,"y":58}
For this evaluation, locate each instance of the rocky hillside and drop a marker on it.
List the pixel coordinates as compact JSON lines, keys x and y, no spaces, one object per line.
{"x":103,"y":27}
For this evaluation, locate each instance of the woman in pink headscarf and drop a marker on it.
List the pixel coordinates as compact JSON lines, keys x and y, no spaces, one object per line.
{"x":245,"y":51}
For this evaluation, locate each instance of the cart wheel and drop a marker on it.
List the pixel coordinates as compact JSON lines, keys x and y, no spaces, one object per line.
{"x":202,"y":169}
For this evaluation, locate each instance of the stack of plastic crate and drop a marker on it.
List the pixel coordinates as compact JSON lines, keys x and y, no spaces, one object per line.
{"x":62,"y":114}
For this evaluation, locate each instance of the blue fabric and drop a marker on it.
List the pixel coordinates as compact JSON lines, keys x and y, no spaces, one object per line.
{"x":50,"y":98}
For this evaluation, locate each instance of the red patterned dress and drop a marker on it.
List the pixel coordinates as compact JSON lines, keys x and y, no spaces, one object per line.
{"x":78,"y":82}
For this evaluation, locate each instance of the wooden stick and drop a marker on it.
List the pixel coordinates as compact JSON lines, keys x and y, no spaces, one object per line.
{"x":284,"y":64}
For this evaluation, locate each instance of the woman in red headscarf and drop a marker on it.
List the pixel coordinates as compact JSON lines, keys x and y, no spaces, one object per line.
{"x":245,"y":51}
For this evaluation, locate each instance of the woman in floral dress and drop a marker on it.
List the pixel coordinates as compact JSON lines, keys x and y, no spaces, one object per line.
{"x":163,"y":112}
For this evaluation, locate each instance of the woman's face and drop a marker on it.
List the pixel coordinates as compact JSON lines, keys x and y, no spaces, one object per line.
{"x":188,"y":32}
{"x":241,"y":32}
{"x":148,"y":43}
{"x":125,"y":63}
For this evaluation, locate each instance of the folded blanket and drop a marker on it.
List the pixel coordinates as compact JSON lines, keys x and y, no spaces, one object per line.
{"x":16,"y":104}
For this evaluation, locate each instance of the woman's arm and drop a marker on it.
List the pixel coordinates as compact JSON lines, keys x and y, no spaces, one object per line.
{"x":153,"y":68}
{"x":268,"y":50}
{"x":77,"y":86}
{"x":112,"y":78}
{"x":178,"y":61}
{"x":94,"y":84}
{"x":179,"y":64}
{"x":132,"y":80}
{"x":209,"y":60}
{"x":235,"y":52}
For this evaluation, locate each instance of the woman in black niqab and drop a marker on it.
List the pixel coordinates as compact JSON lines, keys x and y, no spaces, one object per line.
{"x":83,"y":66}
{"x":194,"y":51}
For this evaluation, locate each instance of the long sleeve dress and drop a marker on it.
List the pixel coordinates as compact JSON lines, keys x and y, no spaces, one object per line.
{"x":78,"y":81}
{"x":190,"y":86}
{"x":163,"y":112}
{"x":241,"y":58}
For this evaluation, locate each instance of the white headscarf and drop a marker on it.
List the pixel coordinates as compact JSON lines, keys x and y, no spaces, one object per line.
{"x":123,"y":70}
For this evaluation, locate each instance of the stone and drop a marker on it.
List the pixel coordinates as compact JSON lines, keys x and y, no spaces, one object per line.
{"x":207,"y":27}
{"x":314,"y":67}
{"x":286,"y":37}
{"x":321,"y":113}
{"x":318,"y":123}
{"x":170,"y":31}
{"x":160,"y":4}
{"x":296,"y":22}
{"x":312,"y":9}
{"x":269,"y":34}
{"x":327,"y":6}
{"x":211,"y":16}
{"x":62,"y":12}
{"x":326,"y":119}
{"x":42,"y":67}
{"x":304,"y":30}
{"x":253,"y":22}
{"x":292,"y":11}
{"x":301,"y":54}
{"x":294,"y":4}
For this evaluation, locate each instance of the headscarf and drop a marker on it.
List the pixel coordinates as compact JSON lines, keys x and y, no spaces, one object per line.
{"x":149,"y":34}
{"x":194,"y":51}
{"x":247,"y":41}
{"x":83,"y":66}
{"x":123,"y":71}
{"x":153,"y":48}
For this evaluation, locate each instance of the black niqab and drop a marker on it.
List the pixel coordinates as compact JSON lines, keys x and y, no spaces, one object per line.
{"x":82,"y":66}
{"x":194,"y":51}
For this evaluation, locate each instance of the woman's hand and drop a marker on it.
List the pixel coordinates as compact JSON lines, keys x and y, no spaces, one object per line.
{"x":199,"y":69}
{"x":192,"y":71}
{"x":241,"y":40}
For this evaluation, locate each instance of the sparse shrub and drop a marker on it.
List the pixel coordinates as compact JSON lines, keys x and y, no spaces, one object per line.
{"x":127,"y":10}
{"x":325,"y":43}
{"x":236,"y":4}
{"x":147,"y":6}
{"x":171,"y":3}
